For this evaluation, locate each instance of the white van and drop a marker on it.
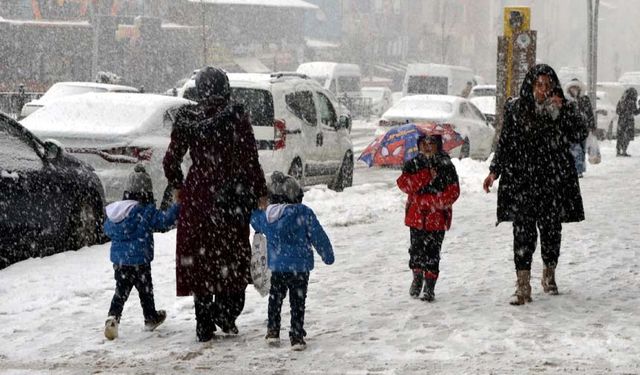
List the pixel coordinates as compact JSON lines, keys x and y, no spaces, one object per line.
{"x":338,"y":78}
{"x":436,"y":79}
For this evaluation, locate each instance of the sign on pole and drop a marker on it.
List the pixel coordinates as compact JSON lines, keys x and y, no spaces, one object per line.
{"x":516,"y":55}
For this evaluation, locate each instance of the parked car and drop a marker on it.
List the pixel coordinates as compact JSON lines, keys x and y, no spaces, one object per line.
{"x":436,"y":79}
{"x":49,"y":200}
{"x":482,"y":90}
{"x":291,"y":137}
{"x":380,"y":99}
{"x":112,"y":132}
{"x":607,"y":125}
{"x":486,"y":105}
{"x":62,"y":89}
{"x":463,"y":116}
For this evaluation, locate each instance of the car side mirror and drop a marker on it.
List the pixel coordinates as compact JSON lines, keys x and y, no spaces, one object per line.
{"x":52,"y":149}
{"x":344,"y":122}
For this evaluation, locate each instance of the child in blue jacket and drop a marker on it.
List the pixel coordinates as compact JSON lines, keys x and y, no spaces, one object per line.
{"x":291,"y":229}
{"x":130,"y":224}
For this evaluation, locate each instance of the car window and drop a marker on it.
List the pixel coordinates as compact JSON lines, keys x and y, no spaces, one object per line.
{"x":327,"y":112}
{"x":349,"y":84}
{"x":258,"y":103}
{"x":427,"y":85}
{"x":300,"y":103}
{"x":16,"y":154}
{"x":475,"y":112}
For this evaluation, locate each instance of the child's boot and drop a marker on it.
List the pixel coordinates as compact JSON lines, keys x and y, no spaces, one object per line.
{"x":298,"y":344}
{"x":273,"y":336}
{"x":416,"y":284}
{"x":111,"y":327}
{"x":151,"y":324}
{"x":430,"y":278}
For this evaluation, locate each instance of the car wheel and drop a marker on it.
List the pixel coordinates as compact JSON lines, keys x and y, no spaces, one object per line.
{"x":465,"y":149}
{"x":296,"y":171}
{"x":344,"y":178}
{"x":85,"y":225}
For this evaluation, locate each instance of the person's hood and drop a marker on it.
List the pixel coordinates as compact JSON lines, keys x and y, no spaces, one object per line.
{"x":526,"y":90}
{"x":275,"y":211}
{"x":118,"y":211}
{"x":575,"y":83}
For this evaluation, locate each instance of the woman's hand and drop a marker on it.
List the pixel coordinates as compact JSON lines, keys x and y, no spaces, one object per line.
{"x":488,"y":182}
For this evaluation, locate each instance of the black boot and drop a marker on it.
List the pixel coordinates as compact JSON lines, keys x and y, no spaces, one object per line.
{"x":429,"y":294}
{"x":205,"y":327}
{"x":416,"y":284}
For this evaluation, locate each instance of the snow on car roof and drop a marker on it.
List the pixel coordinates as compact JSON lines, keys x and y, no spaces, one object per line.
{"x":423,"y":106}
{"x":265,"y":3}
{"x":107,"y":86}
{"x":100,"y":114}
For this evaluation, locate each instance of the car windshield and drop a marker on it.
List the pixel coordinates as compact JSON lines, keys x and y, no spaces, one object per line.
{"x":15,"y":153}
{"x":57,"y":91}
{"x":349,"y":84}
{"x":373,"y":94}
{"x":484,"y":92}
{"x":427,"y":85}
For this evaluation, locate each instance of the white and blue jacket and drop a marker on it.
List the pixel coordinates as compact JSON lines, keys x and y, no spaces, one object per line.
{"x":130,"y":225}
{"x":291,"y":231}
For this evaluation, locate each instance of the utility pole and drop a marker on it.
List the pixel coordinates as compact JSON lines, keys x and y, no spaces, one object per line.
{"x":592,"y":60}
{"x":204,"y":34}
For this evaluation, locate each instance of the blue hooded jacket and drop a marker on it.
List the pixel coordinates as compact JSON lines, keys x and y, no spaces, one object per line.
{"x":291,"y":231}
{"x":130,"y":225}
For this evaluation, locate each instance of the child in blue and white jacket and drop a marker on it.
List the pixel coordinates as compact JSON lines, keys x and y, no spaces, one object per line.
{"x":292,"y":229}
{"x":130,"y":224}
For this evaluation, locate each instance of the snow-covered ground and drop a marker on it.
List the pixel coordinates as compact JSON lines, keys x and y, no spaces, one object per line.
{"x":360,"y":319}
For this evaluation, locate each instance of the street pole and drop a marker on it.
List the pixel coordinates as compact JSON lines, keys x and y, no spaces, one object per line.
{"x":204,"y":34}
{"x":594,"y":56}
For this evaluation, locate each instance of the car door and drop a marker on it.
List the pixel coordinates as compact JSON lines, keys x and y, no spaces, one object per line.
{"x":478,"y":130}
{"x":332,"y":150}
{"x":31,"y":202}
{"x":301,"y":105}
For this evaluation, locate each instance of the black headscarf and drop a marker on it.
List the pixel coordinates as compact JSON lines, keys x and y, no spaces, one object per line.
{"x":526,"y":90}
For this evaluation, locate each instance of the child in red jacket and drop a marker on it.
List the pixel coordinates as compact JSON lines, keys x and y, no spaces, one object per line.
{"x":431,"y":182}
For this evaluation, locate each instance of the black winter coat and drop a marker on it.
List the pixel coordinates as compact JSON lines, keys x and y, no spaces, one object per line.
{"x":627,"y":108}
{"x":538,"y":178}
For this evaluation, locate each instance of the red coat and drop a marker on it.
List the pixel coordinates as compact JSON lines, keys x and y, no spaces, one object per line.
{"x":213,"y":251}
{"x":427,"y":211}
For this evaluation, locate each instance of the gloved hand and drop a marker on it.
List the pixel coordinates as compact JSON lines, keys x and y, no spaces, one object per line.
{"x":414,"y":165}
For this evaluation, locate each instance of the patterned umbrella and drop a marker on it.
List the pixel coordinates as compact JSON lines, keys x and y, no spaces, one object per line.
{"x":400,"y":143}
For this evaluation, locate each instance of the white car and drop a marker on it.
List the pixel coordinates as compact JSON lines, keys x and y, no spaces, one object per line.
{"x":607,"y":118}
{"x":380,"y":99}
{"x":61,"y":89}
{"x":486,"y":105}
{"x":300,"y":127}
{"x":112,"y":132}
{"x":463,"y":116}
{"x":482,"y":90}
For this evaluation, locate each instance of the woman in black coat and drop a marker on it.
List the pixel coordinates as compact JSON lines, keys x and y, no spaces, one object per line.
{"x":538,"y":180}
{"x":627,"y":108}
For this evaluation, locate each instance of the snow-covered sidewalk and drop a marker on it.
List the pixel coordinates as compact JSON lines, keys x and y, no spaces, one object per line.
{"x":360,"y":319}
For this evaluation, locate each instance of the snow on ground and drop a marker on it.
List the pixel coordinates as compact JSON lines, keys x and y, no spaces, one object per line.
{"x":360,"y":319}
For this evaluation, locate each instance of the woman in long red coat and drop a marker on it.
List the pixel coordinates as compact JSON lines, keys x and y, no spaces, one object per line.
{"x":213,"y":252}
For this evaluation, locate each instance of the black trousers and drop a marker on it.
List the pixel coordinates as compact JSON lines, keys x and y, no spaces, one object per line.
{"x":424,"y":252}
{"x":223,"y":310}
{"x":128,"y":277}
{"x":297,"y":284}
{"x":525,"y":237}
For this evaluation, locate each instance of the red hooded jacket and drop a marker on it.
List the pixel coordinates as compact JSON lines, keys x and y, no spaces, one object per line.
{"x":432,"y":191}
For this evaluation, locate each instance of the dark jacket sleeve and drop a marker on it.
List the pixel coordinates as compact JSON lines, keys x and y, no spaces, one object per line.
{"x":178,"y":147}
{"x":248,"y":152}
{"x":574,"y":126}
{"x":587,"y":112}
{"x":501,"y":155}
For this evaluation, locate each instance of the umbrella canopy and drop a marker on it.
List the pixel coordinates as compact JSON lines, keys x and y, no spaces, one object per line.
{"x":400,"y":143}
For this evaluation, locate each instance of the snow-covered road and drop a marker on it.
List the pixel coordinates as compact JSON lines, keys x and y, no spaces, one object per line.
{"x":360,"y":319}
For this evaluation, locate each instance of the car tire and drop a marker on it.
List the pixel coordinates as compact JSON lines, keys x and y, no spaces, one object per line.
{"x":85,"y":227}
{"x":344,"y":178}
{"x":465,"y":149}
{"x":296,"y":171}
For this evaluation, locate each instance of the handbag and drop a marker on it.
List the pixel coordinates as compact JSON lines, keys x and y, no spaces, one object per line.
{"x":593,"y":149}
{"x":260,"y":272}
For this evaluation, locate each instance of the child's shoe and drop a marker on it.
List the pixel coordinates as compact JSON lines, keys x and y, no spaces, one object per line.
{"x":111,"y":327}
{"x":416,"y":284}
{"x":150,"y":325}
{"x":298,"y":344}
{"x":273,"y":336}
